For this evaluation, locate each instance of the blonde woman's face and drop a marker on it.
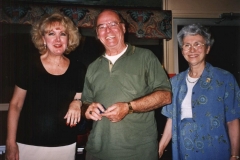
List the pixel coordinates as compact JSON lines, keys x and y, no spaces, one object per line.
{"x":56,"y":39}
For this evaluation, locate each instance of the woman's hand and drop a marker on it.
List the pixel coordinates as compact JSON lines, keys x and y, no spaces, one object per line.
{"x":73,"y":115}
{"x":12,"y":152}
{"x":166,"y":137}
{"x":233,"y":158}
{"x":160,"y":151}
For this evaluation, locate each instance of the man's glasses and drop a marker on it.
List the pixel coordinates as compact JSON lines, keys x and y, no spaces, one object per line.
{"x":196,"y":46}
{"x":111,"y":25}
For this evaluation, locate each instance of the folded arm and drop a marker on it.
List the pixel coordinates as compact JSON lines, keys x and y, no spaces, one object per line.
{"x":118,"y":111}
{"x":152,"y":101}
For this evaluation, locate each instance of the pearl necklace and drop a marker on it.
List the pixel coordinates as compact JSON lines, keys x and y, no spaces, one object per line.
{"x":190,"y":81}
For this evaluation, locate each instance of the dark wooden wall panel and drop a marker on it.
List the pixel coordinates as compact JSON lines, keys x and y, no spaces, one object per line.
{"x":3,"y":127}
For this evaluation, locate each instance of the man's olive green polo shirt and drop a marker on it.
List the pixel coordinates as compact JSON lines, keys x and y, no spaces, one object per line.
{"x":135,"y":74}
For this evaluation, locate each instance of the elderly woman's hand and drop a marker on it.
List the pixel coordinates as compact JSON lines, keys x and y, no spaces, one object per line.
{"x":160,"y":152}
{"x":73,"y":114}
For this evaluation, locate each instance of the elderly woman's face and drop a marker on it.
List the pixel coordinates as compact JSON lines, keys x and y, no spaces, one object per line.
{"x":56,"y":39}
{"x":194,"y":49}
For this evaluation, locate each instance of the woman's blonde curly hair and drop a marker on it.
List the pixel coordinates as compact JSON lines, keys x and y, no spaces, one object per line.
{"x":40,"y":28}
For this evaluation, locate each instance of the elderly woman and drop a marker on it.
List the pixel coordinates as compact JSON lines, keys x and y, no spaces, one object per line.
{"x":203,"y":118}
{"x":45,"y":86}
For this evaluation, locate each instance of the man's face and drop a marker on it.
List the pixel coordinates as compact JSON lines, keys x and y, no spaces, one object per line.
{"x":110,"y":30}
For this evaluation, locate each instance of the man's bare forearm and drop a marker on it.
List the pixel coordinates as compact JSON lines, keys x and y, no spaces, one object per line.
{"x":152,"y":101}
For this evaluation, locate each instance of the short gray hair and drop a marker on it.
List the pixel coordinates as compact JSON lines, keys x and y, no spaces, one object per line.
{"x":195,"y":29}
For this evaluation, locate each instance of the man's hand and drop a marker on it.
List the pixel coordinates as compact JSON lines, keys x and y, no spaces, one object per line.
{"x":116,"y":112}
{"x":94,"y":111}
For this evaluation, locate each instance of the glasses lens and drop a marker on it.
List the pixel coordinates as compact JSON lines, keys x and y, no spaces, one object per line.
{"x":113,"y":24}
{"x":186,"y":47}
{"x":198,"y":45}
{"x":109,"y":25}
{"x":101,"y":26}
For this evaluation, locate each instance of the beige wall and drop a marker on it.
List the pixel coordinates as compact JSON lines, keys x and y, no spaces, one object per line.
{"x":194,"y":9}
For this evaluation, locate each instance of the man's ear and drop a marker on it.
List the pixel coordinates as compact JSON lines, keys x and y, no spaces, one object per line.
{"x":124,"y":28}
{"x":96,"y":34}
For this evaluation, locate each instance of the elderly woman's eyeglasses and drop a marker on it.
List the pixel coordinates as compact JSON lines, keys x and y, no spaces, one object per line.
{"x":111,"y":25}
{"x":196,"y":46}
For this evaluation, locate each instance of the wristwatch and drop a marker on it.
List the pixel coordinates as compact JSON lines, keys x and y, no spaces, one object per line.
{"x":130,"y":109}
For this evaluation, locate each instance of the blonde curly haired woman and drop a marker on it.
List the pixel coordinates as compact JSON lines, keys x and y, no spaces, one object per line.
{"x":40,"y":120}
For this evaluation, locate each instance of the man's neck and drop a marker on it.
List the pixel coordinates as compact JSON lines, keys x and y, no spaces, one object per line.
{"x":115,"y":51}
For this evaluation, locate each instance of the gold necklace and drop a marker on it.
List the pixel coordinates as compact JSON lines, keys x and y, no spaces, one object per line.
{"x":59,"y":61}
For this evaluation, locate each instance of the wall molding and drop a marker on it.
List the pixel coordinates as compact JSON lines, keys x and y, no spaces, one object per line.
{"x":4,"y":106}
{"x":144,"y":22}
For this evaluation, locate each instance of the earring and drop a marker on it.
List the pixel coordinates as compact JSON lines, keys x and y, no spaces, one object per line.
{"x":45,"y":46}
